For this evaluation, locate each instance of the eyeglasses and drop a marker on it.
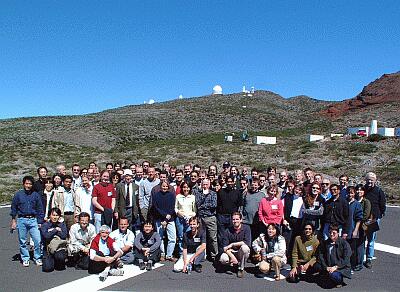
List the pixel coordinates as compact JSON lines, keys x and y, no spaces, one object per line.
{"x":325,"y":184}
{"x":315,"y":188}
{"x":307,"y":228}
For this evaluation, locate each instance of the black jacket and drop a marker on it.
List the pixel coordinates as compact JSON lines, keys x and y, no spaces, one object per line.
{"x":337,"y":211}
{"x":340,"y":256}
{"x":377,"y":199}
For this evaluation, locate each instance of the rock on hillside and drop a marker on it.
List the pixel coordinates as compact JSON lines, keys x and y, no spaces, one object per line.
{"x":385,"y":89}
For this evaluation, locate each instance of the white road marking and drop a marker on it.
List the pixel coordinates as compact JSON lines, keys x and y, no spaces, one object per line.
{"x":387,"y":248}
{"x":5,"y":206}
{"x":392,"y":206}
{"x":92,"y":282}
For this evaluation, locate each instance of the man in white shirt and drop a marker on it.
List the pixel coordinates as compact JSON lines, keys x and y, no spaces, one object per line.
{"x":124,"y":240}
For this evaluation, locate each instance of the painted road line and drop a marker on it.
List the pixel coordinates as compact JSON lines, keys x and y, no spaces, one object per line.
{"x":387,"y":248}
{"x":5,"y":206}
{"x":92,"y":282}
{"x":392,"y":206}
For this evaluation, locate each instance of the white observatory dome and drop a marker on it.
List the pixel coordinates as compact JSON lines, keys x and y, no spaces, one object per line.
{"x":151,"y":101}
{"x":217,"y":90}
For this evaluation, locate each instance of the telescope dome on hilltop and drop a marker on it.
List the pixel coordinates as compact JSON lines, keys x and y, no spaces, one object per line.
{"x":217,"y":90}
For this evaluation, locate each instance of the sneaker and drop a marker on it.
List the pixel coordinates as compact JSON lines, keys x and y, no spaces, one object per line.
{"x":339,"y":285}
{"x":171,"y":259}
{"x":368,"y":264}
{"x":103,"y":275}
{"x":240,"y":273}
{"x":25,"y":263}
{"x":120,"y":265}
{"x":116,"y":272}
{"x":162,"y":258}
{"x":197,"y":268}
{"x":149,"y":266}
{"x":142,"y":265}
{"x":38,"y":262}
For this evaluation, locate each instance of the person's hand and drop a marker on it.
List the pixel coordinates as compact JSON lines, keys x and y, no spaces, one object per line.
{"x":355,"y":234}
{"x":184,"y":269}
{"x":293,"y":272}
{"x":58,"y":229}
{"x":109,"y":260}
{"x":228,"y":247}
{"x":192,"y":260}
{"x":168,"y":217}
{"x":304,"y":268}
{"x":13,"y":224}
{"x":85,"y":250}
{"x":164,"y":224}
{"x":116,"y":215}
{"x":344,"y":236}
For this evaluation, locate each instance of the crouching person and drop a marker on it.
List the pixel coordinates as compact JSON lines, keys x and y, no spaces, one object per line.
{"x":147,"y":247}
{"x":104,"y":255}
{"x":54,"y":234}
{"x":271,"y":248}
{"x":81,"y":235}
{"x":194,"y":246}
{"x":236,"y":244}
{"x":124,"y":238}
{"x":304,"y":253}
{"x":334,"y":257}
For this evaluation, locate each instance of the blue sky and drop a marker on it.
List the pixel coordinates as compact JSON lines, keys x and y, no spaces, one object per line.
{"x":75,"y":57}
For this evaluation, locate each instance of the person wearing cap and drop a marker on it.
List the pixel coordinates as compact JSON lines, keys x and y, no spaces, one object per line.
{"x":104,"y":253}
{"x":226,"y":166}
{"x":127,"y":200}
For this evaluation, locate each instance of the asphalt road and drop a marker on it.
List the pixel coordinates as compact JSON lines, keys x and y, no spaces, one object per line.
{"x":382,"y":277}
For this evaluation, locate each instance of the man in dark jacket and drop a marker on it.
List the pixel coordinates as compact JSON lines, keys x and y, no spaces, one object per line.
{"x":378,"y":208}
{"x":334,"y":257}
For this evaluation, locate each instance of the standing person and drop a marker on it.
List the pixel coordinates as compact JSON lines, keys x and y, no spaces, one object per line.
{"x":145,"y":191}
{"x":377,"y":198}
{"x":194,"y":247}
{"x":81,"y":235}
{"x":67,"y":201}
{"x":206,"y":204}
{"x":27,"y":206}
{"x":236,"y":244}
{"x":76,"y":176}
{"x":304,"y":253}
{"x":103,"y":200}
{"x":313,"y":206}
{"x":124,"y":240}
{"x":366,"y":208}
{"x":138,"y":175}
{"x":163,"y":206}
{"x":229,"y":200}
{"x":271,"y":208}
{"x":84,"y":193}
{"x":39,"y":185}
{"x":185,"y":208}
{"x":250,"y":208}
{"x":54,"y":231}
{"x":126,"y":202}
{"x":355,"y":220}
{"x":344,"y":184}
{"x":47,"y":197}
{"x":334,"y":257}
{"x":147,"y":247}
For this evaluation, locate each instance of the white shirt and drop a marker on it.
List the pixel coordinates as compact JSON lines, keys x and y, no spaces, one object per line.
{"x":297,"y":208}
{"x":85,"y":196}
{"x":122,"y":239}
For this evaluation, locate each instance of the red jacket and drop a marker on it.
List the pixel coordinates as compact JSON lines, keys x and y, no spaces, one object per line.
{"x":95,"y":243}
{"x":270,"y":211}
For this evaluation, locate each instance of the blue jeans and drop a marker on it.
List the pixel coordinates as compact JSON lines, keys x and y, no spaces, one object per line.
{"x":181,"y":227}
{"x":25,"y":226}
{"x":371,"y":238}
{"x":336,"y":277}
{"x":97,"y":221}
{"x":171,"y":233}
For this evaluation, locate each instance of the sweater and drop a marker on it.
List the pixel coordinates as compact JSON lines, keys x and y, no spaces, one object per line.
{"x":270,"y":211}
{"x":304,"y":250}
{"x":163,"y":204}
{"x":250,"y":207}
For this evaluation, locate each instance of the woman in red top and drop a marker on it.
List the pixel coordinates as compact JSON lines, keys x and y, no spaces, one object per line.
{"x":270,"y":210}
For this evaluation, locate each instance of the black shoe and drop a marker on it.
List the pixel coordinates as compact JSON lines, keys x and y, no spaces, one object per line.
{"x":149,"y":266}
{"x":142,"y":265}
{"x":368,"y":264}
{"x":197,"y":268}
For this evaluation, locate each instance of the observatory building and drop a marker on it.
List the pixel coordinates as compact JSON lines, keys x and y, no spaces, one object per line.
{"x":217,"y":90}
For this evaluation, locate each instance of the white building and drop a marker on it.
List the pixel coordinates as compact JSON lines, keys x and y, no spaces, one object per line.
{"x":313,"y":138}
{"x":355,"y":130}
{"x":217,"y":90}
{"x":264,"y":140}
{"x":386,"y":132}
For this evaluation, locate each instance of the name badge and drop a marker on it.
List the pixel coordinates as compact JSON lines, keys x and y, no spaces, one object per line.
{"x":316,"y":203}
{"x":309,"y":248}
{"x":274,"y":207}
{"x":196,"y":239}
{"x":109,"y":194}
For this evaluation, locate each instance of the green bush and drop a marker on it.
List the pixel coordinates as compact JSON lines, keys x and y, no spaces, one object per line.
{"x":376,"y":138}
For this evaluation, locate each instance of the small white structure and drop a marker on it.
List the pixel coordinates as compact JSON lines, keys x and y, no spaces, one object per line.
{"x":217,"y":90}
{"x":244,"y":89}
{"x":180,"y":96}
{"x":228,"y":138}
{"x":252,"y":90}
{"x":352,"y":131}
{"x":264,"y":140}
{"x":336,"y":135}
{"x":386,"y":132}
{"x":151,"y":101}
{"x":313,"y":138}
{"x":374,"y":127}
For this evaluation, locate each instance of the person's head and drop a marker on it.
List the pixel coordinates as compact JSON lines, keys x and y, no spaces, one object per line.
{"x":334,"y":232}
{"x":326,"y":183}
{"x":76,"y":170}
{"x":117,"y":166}
{"x":271,"y":179}
{"x":90,"y":173}
{"x":179,"y":176}
{"x":290,"y":186}
{"x":97,"y":175}
{"x":318,"y":178}
{"x":226,"y":166}
{"x":151,"y":173}
{"x":185,"y":188}
{"x":283,"y":176}
{"x":236,"y":220}
{"x":123,"y":224}
{"x":147,"y":226}
{"x":254,"y":173}
{"x":245,"y":171}
{"x":360,"y":191}
{"x":262,"y":179}
{"x":308,"y":174}
{"x":299,"y":190}
{"x":196,"y":167}
{"x":86,"y":182}
{"x":370,"y":180}
{"x":128,"y":175}
{"x":335,"y":190}
{"x":194,"y":224}
{"x":343,"y":180}
{"x":92,"y":165}
{"x":202,"y":175}
{"x":255,"y":185}
{"x":187,"y":169}
{"x":61,"y":169}
{"x":298,"y":176}
{"x":194,"y":176}
{"x":308,"y":229}
{"x":48,"y":184}
{"x":84,"y":171}
{"x":105,"y":177}
{"x":145,"y":165}
{"x":104,"y":230}
{"x":213,"y":169}
{"x":352,"y":194}
{"x":230,"y":182}
{"x":83,"y":220}
{"x":163,"y":175}
{"x":28,"y":182}
{"x":55,"y":214}
{"x":110,"y":167}
{"x":67,"y":181}
{"x":271,"y":170}
{"x":172,"y":171}
{"x":57,"y":180}
{"x":272,"y":230}
{"x":139,"y":173}
{"x":42,"y":172}
{"x":165,"y":186}
{"x":244,"y":184}
{"x":272,"y":190}
{"x":234,"y":171}
{"x":315,"y":189}
{"x":205,"y":184}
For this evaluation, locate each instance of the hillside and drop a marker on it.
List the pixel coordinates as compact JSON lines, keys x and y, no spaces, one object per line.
{"x":192,"y":130}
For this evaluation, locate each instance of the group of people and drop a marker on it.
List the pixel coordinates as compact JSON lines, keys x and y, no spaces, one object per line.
{"x":140,"y":214}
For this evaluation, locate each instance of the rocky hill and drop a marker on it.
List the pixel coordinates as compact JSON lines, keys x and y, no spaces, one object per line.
{"x":192,"y":130}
